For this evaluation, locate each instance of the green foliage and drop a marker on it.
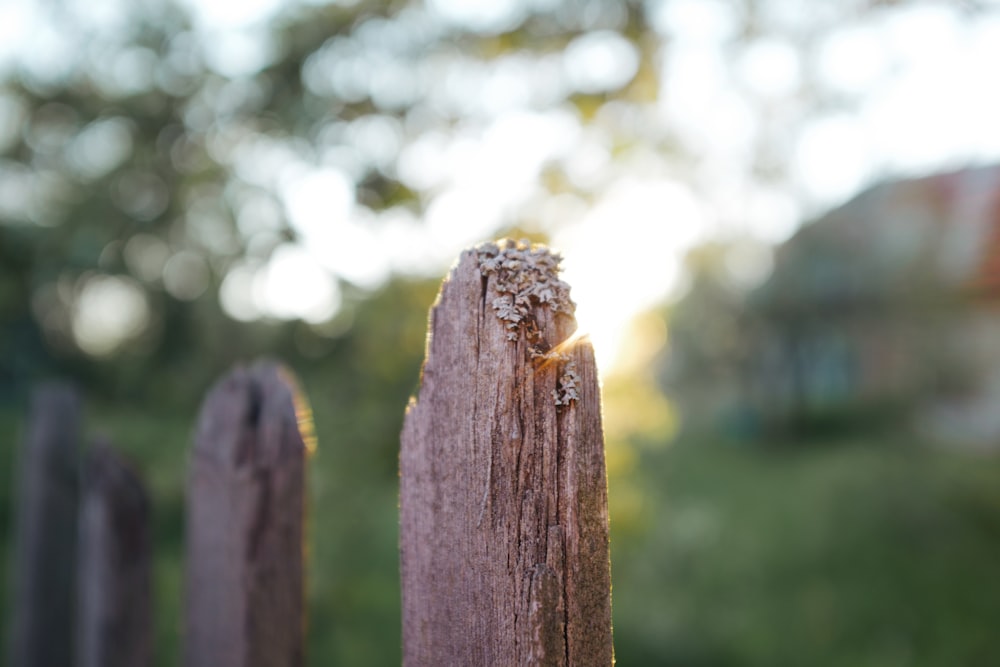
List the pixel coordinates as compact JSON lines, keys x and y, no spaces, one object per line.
{"x":110,"y":163}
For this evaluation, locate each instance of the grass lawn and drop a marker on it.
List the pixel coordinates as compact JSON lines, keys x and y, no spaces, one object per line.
{"x":852,"y":554}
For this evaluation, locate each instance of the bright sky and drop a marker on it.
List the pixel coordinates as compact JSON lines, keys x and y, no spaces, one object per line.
{"x":919,"y":90}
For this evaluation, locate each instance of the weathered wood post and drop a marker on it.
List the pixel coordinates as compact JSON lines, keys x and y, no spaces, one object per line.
{"x":245,"y":504}
{"x":504,"y":521}
{"x":46,"y":532}
{"x":114,"y":591}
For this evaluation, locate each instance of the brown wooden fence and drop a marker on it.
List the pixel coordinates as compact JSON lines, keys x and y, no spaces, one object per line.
{"x":46,"y":529}
{"x":246,"y":499}
{"x":503,"y":503}
{"x":114,"y":623}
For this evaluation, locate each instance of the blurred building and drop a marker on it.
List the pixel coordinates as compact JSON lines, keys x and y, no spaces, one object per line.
{"x":885,"y":310}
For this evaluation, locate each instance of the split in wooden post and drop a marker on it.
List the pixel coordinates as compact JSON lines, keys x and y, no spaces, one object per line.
{"x":503,"y":503}
{"x":245,"y":506}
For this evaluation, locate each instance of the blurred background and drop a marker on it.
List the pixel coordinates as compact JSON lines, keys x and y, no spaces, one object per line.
{"x":780,"y":221}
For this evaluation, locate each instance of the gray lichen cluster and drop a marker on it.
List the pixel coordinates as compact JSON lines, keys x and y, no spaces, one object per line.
{"x":566,"y":389}
{"x":526,"y":275}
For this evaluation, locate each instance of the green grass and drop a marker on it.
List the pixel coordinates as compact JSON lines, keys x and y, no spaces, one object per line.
{"x":847,"y":554}
{"x":851,"y":554}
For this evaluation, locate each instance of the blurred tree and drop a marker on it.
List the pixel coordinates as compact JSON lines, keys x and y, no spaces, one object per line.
{"x":146,"y":169}
{"x":166,"y":178}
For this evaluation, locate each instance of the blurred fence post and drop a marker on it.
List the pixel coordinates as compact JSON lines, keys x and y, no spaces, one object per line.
{"x":245,"y":504}
{"x":114,"y":612}
{"x":46,"y":532}
{"x":503,"y":503}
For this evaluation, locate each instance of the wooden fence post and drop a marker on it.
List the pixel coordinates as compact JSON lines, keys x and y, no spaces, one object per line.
{"x":245,"y":503}
{"x":114,"y":613}
{"x":503,"y":503}
{"x":46,"y":532}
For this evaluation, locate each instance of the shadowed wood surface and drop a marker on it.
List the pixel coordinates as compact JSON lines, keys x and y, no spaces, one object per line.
{"x":504,"y":523}
{"x":46,"y":531}
{"x":244,"y":596}
{"x":114,"y":605}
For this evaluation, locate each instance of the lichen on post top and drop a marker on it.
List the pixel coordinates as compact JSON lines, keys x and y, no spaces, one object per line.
{"x":527,"y":275}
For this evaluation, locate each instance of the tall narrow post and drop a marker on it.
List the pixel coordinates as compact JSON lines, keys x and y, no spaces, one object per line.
{"x":46,"y":532}
{"x":114,"y":592}
{"x":244,"y":525}
{"x":504,"y":521}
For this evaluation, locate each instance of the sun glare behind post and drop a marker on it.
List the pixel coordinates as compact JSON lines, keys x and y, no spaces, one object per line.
{"x":303,"y":409}
{"x":624,"y":257}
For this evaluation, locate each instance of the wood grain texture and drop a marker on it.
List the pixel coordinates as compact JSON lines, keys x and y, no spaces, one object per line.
{"x":244,"y":597}
{"x":114,"y":593}
{"x":46,"y":531}
{"x":504,"y":522}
